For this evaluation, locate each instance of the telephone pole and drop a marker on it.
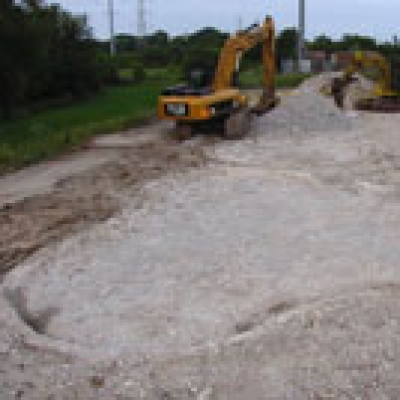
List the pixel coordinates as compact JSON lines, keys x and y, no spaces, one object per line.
{"x":240,"y":23}
{"x":111,"y":23}
{"x":141,"y":18}
{"x":301,"y":33}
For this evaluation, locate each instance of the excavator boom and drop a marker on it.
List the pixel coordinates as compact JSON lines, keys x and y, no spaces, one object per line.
{"x":232,"y":53}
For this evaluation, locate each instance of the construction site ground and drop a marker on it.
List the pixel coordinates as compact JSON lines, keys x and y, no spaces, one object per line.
{"x":264,"y":268}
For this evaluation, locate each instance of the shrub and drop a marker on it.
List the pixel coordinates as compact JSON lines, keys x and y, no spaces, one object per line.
{"x":139,"y":73}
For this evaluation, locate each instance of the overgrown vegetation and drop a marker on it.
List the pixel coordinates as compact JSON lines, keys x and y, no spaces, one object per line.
{"x":46,"y":55}
{"x":160,"y":49}
{"x":42,"y":135}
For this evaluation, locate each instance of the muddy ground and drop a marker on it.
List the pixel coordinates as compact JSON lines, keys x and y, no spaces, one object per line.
{"x":266,"y":268}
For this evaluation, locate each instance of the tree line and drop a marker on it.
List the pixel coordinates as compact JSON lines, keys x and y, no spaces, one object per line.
{"x":46,"y":54}
{"x":49,"y":55}
{"x":160,"y":49}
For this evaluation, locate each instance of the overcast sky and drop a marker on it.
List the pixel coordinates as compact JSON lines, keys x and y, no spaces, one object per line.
{"x":379,"y":18}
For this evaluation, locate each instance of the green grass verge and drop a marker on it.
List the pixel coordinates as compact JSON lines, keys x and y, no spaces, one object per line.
{"x":44,"y":135}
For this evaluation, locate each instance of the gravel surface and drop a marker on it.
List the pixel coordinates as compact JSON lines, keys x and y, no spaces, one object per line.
{"x":269,"y":272}
{"x":305,"y":111}
{"x":84,"y":199}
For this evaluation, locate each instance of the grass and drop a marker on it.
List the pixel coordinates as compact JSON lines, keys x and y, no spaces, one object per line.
{"x":252,"y":78}
{"x":46,"y":134}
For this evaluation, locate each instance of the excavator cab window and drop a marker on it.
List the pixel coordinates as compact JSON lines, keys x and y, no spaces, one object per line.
{"x":198,"y":83}
{"x":395,"y":72}
{"x":200,"y":78}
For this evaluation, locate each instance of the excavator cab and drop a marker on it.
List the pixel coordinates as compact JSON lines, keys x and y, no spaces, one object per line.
{"x":200,"y":78}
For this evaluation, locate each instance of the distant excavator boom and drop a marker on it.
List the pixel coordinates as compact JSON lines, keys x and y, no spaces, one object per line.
{"x":386,"y":92}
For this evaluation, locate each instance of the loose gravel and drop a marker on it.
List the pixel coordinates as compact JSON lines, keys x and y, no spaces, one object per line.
{"x":269,"y":272}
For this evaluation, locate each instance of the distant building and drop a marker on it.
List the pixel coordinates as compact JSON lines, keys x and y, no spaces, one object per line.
{"x":288,"y":66}
{"x":319,"y":60}
{"x":315,"y":62}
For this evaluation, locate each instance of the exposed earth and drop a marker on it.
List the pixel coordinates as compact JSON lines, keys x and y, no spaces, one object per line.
{"x":265,"y":268}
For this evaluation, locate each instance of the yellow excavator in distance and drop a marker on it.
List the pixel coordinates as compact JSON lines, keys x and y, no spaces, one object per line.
{"x":385,"y":96}
{"x":222,"y":103}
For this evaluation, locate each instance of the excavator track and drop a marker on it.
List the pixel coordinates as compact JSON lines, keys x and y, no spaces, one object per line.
{"x":379,"y":104}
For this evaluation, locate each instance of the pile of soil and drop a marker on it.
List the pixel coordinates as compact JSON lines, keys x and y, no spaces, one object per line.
{"x":306,"y":111}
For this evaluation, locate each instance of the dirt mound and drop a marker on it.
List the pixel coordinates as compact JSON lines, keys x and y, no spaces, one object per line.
{"x":306,"y":111}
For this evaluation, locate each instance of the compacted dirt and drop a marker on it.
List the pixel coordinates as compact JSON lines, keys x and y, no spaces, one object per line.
{"x":265,"y":268}
{"x":92,"y":196}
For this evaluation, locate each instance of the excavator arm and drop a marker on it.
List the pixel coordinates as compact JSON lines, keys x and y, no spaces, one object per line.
{"x":232,"y":53}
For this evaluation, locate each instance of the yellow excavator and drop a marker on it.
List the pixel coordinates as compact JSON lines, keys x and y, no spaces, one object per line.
{"x":222,"y":103}
{"x":385,"y":95}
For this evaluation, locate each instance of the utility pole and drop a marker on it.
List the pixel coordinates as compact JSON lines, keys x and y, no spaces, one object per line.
{"x":111,"y":22}
{"x":240,"y":23}
{"x":301,"y":33}
{"x":141,"y":18}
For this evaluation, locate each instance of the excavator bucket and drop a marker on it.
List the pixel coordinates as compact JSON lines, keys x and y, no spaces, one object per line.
{"x":337,"y":91}
{"x":238,"y":124}
{"x":267,"y":102}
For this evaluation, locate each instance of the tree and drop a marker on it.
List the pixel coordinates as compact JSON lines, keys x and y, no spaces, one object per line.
{"x":159,"y":38}
{"x":46,"y":53}
{"x":207,"y":37}
{"x":323,"y":43}
{"x":286,"y":44}
{"x":126,"y":43}
{"x":357,"y":42}
{"x":15,"y":50}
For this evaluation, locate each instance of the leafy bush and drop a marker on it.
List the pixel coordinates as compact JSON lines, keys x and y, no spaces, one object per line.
{"x":130,"y":69}
{"x":155,"y":56}
{"x":139,"y":73}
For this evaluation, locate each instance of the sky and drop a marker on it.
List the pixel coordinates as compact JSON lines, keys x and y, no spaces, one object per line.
{"x":378,"y":18}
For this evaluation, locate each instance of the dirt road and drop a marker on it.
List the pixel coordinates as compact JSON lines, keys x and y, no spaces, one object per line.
{"x":265,"y":268}
{"x":53,"y":200}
